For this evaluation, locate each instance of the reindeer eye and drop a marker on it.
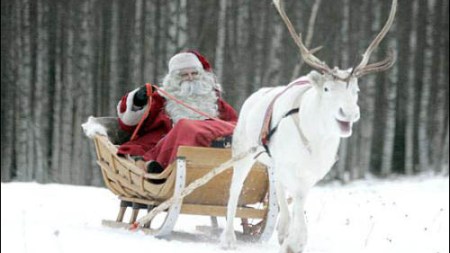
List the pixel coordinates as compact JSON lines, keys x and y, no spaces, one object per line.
{"x":326,"y":89}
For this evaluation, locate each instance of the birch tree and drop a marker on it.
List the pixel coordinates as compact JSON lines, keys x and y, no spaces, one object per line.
{"x":114,"y":84}
{"x":367,"y":86}
{"x":7,"y":97}
{"x":345,"y":31}
{"x":68,"y":88}
{"x":403,"y":88}
{"x":420,"y":89}
{"x":82,"y":103}
{"x":438,"y":110}
{"x":149,"y":33}
{"x":57,"y":57}
{"x":41,"y":93}
{"x":137,"y":54}
{"x":390,"y":96}
{"x":221,"y":33}
{"x":177,"y":28}
{"x":23,"y":145}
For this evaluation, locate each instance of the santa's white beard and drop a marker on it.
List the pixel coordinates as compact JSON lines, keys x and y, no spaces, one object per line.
{"x":200,"y":94}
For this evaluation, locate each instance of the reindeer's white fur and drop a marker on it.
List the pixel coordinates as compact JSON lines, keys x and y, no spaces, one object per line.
{"x":322,"y":103}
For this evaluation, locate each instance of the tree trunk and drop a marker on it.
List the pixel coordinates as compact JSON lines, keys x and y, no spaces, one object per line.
{"x":421,"y":159}
{"x":41,"y":91}
{"x":220,"y":48}
{"x":67,"y":102}
{"x":115,"y":87}
{"x":403,"y":84}
{"x":137,"y":55}
{"x":390,"y":96}
{"x":23,"y":145}
{"x":82,"y":105}
{"x":149,"y":33}
{"x":345,"y":33}
{"x":439,"y":109}
{"x":368,"y":88}
{"x":8,"y":22}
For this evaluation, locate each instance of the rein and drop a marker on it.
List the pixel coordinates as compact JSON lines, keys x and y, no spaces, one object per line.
{"x":168,"y":95}
{"x":149,"y":106}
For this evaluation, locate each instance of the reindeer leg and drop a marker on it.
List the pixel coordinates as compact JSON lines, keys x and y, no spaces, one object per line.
{"x":240,"y":172}
{"x":296,"y":240}
{"x":283,"y":223}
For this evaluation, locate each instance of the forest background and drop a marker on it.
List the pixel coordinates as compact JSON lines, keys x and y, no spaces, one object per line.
{"x":64,"y":60}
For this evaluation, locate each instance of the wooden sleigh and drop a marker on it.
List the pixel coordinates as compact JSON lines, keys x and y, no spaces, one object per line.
{"x":257,"y":205}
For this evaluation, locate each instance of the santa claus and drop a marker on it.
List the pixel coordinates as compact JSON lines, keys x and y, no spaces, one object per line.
{"x":170,"y":124}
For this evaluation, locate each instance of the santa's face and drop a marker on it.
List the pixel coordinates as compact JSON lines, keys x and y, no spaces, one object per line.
{"x":190,"y":82}
{"x":194,"y":87}
{"x":189,"y":74}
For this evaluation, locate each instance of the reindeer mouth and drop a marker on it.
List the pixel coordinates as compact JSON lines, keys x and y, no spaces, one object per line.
{"x":345,"y":126}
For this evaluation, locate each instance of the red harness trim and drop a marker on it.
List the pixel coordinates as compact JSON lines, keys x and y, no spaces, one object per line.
{"x":265,"y":130}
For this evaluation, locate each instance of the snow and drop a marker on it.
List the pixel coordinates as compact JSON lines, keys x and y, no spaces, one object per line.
{"x":399,"y":215}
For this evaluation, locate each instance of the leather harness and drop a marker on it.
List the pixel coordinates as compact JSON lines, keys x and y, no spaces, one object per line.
{"x":267,"y":131}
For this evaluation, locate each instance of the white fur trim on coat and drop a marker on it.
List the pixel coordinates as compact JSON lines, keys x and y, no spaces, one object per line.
{"x":91,"y":128}
{"x":131,"y":116}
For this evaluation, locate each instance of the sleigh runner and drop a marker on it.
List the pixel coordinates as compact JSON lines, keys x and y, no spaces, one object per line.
{"x":136,"y":192}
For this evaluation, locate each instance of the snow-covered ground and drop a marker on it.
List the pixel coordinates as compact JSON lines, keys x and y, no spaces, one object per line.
{"x":408,"y":215}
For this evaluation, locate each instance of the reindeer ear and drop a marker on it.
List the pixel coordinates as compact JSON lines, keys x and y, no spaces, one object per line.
{"x":316,"y":78}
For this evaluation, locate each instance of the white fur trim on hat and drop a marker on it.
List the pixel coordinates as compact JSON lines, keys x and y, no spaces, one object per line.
{"x":184,"y":60}
{"x":131,"y":116}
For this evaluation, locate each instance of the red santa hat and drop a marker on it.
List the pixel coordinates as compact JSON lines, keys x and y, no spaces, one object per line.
{"x":189,"y":59}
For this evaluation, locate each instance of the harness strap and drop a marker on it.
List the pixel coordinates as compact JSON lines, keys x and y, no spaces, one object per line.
{"x":274,"y":129}
{"x":266,"y":131}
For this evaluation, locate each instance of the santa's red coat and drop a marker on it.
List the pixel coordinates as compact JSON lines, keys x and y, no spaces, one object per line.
{"x":158,"y":139}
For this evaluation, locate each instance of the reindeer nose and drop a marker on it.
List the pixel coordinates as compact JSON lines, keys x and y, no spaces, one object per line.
{"x":350,"y":113}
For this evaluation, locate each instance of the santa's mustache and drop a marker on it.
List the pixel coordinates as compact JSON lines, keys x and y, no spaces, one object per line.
{"x":196,"y":87}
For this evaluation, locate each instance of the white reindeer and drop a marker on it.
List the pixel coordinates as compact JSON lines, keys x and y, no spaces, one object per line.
{"x":305,"y":144}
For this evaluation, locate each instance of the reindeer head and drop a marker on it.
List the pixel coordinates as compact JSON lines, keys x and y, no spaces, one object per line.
{"x":337,"y":101}
{"x":338,"y":89}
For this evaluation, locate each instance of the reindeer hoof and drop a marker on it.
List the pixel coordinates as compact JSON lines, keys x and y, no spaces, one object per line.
{"x":281,"y":238}
{"x":228,"y":241}
{"x":282,"y":233}
{"x":288,"y":249}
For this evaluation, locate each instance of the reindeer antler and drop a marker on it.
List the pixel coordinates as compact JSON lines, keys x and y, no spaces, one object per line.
{"x":307,"y":55}
{"x":363,"y":68}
